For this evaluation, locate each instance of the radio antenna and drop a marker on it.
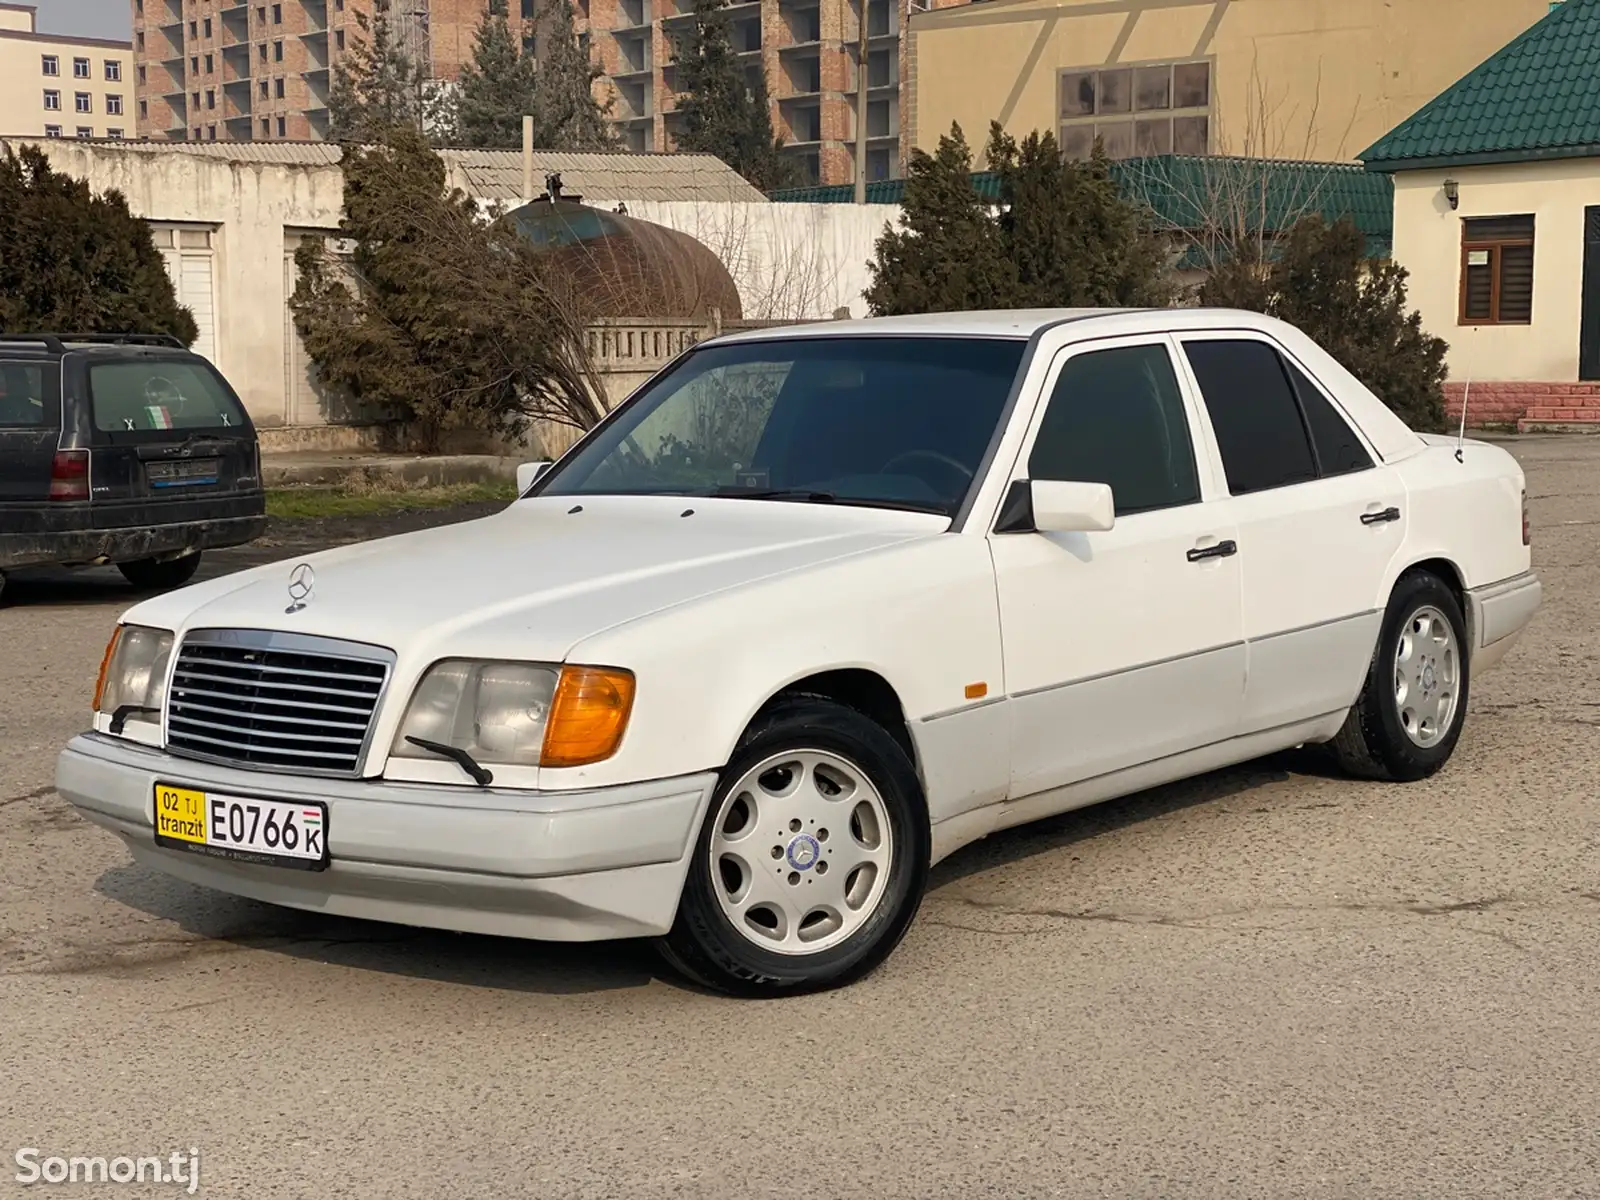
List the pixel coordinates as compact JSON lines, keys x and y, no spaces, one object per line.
{"x":1466,"y":393}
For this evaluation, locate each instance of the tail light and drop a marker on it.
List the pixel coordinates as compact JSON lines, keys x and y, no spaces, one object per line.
{"x":1527,"y":533}
{"x":69,"y":475}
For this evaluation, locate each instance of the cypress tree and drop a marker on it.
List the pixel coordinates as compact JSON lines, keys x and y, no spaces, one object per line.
{"x":75,"y":262}
{"x":725,"y":113}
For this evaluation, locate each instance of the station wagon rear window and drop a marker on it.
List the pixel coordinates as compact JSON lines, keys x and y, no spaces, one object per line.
{"x":151,"y":395}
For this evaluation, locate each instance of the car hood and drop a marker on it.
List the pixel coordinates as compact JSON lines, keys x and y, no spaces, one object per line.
{"x":532,"y":581}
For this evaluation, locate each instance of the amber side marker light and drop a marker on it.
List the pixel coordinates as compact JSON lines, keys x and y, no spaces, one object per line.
{"x":588,"y":716}
{"x":105,"y":663}
{"x":977,"y":691}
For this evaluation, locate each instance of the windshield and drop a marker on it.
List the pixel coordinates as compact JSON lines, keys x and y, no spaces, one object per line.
{"x":152,"y":394}
{"x":888,"y":421}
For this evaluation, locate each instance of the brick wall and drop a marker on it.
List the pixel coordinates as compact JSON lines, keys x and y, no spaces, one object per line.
{"x":1507,"y":402}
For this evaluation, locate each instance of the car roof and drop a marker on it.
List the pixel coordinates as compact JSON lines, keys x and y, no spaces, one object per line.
{"x":1020,"y":323}
{"x":1388,"y":433}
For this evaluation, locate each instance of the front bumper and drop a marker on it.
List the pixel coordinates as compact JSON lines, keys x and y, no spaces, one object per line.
{"x":1498,"y":613}
{"x":556,"y":866}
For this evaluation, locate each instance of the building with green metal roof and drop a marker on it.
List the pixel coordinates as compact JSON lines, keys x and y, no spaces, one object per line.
{"x":1191,"y":194}
{"x":1497,"y":218}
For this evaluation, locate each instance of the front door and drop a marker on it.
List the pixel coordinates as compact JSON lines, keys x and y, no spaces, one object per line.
{"x":1122,"y":646}
{"x":1589,"y":322}
{"x":1319,"y":521}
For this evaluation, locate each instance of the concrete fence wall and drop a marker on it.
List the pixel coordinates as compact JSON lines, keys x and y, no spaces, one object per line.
{"x":234,"y":226}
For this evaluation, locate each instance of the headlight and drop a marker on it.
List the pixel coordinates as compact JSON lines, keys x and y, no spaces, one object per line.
{"x":133,"y":673}
{"x":525,"y":714}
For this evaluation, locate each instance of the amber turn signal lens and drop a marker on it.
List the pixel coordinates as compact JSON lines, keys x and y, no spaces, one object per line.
{"x":105,"y":662}
{"x":587,"y":716}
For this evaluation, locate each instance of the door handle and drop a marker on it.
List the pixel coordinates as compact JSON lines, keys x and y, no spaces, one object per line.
{"x":1389,"y":514}
{"x":1220,"y":550}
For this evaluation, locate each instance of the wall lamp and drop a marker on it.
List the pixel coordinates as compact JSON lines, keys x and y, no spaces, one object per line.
{"x":1452,"y":193}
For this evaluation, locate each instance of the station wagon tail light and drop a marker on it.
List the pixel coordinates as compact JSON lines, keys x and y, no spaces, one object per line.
{"x":69,"y":475}
{"x":1527,"y":530}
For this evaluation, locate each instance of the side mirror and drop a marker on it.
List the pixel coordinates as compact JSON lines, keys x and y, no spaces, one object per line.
{"x":528,"y":472}
{"x":1054,"y":506}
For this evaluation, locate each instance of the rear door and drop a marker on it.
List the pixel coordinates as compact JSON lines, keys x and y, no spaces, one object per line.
{"x":30,"y":430}
{"x":1319,"y":519}
{"x":165,"y":428}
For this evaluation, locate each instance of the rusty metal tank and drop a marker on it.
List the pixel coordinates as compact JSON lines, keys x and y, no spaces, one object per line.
{"x":629,"y":267}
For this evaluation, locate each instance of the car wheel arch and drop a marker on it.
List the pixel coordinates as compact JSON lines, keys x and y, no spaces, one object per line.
{"x":1447,"y":571}
{"x":863,"y":689}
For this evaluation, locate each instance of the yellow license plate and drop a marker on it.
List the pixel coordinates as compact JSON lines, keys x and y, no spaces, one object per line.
{"x":279,"y":833}
{"x":181,"y":814}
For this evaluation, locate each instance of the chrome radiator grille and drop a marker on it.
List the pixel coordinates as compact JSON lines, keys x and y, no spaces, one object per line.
{"x":275,"y":701}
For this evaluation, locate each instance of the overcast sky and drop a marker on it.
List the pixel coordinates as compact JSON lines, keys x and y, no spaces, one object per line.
{"x":86,"y":18}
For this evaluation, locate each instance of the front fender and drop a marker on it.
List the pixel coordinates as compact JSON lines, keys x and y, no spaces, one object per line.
{"x":923,"y":615}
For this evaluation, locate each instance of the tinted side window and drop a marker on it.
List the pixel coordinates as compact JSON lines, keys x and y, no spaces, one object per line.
{"x":22,"y":399}
{"x":1116,"y":416}
{"x":1339,"y":451}
{"x":1257,"y":422}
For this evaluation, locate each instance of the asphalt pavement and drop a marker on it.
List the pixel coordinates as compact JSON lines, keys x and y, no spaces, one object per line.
{"x":1266,"y":982}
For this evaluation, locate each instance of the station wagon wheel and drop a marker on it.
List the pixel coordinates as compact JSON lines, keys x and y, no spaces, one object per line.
{"x":812,"y":859}
{"x":1413,"y":704}
{"x":800,"y":851}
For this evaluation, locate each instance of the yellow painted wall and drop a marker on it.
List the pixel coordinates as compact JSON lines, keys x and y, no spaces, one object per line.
{"x":1427,"y":242}
{"x":1319,"y":79}
{"x":23,"y":82}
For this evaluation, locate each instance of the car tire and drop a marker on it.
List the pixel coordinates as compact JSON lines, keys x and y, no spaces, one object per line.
{"x":808,"y":772}
{"x":1398,"y":729}
{"x":2,"y":587}
{"x":151,"y":575}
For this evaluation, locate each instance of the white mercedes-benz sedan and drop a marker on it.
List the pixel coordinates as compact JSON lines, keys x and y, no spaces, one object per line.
{"x":813,"y":608}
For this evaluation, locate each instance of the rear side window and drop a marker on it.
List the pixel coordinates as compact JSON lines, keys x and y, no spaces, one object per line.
{"x":1254,"y":413}
{"x":1339,"y":451}
{"x":1117,"y":417}
{"x":152,"y":394}
{"x":22,"y":403}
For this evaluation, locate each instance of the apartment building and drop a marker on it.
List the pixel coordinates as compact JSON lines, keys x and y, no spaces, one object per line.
{"x":216,"y":70}
{"x":226,"y":70}
{"x":810,"y":51}
{"x":54,"y":86}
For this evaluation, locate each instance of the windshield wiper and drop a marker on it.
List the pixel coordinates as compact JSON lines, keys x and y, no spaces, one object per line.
{"x":809,"y":495}
{"x":480,"y":774}
{"x":813,"y":496}
{"x":119,"y":718}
